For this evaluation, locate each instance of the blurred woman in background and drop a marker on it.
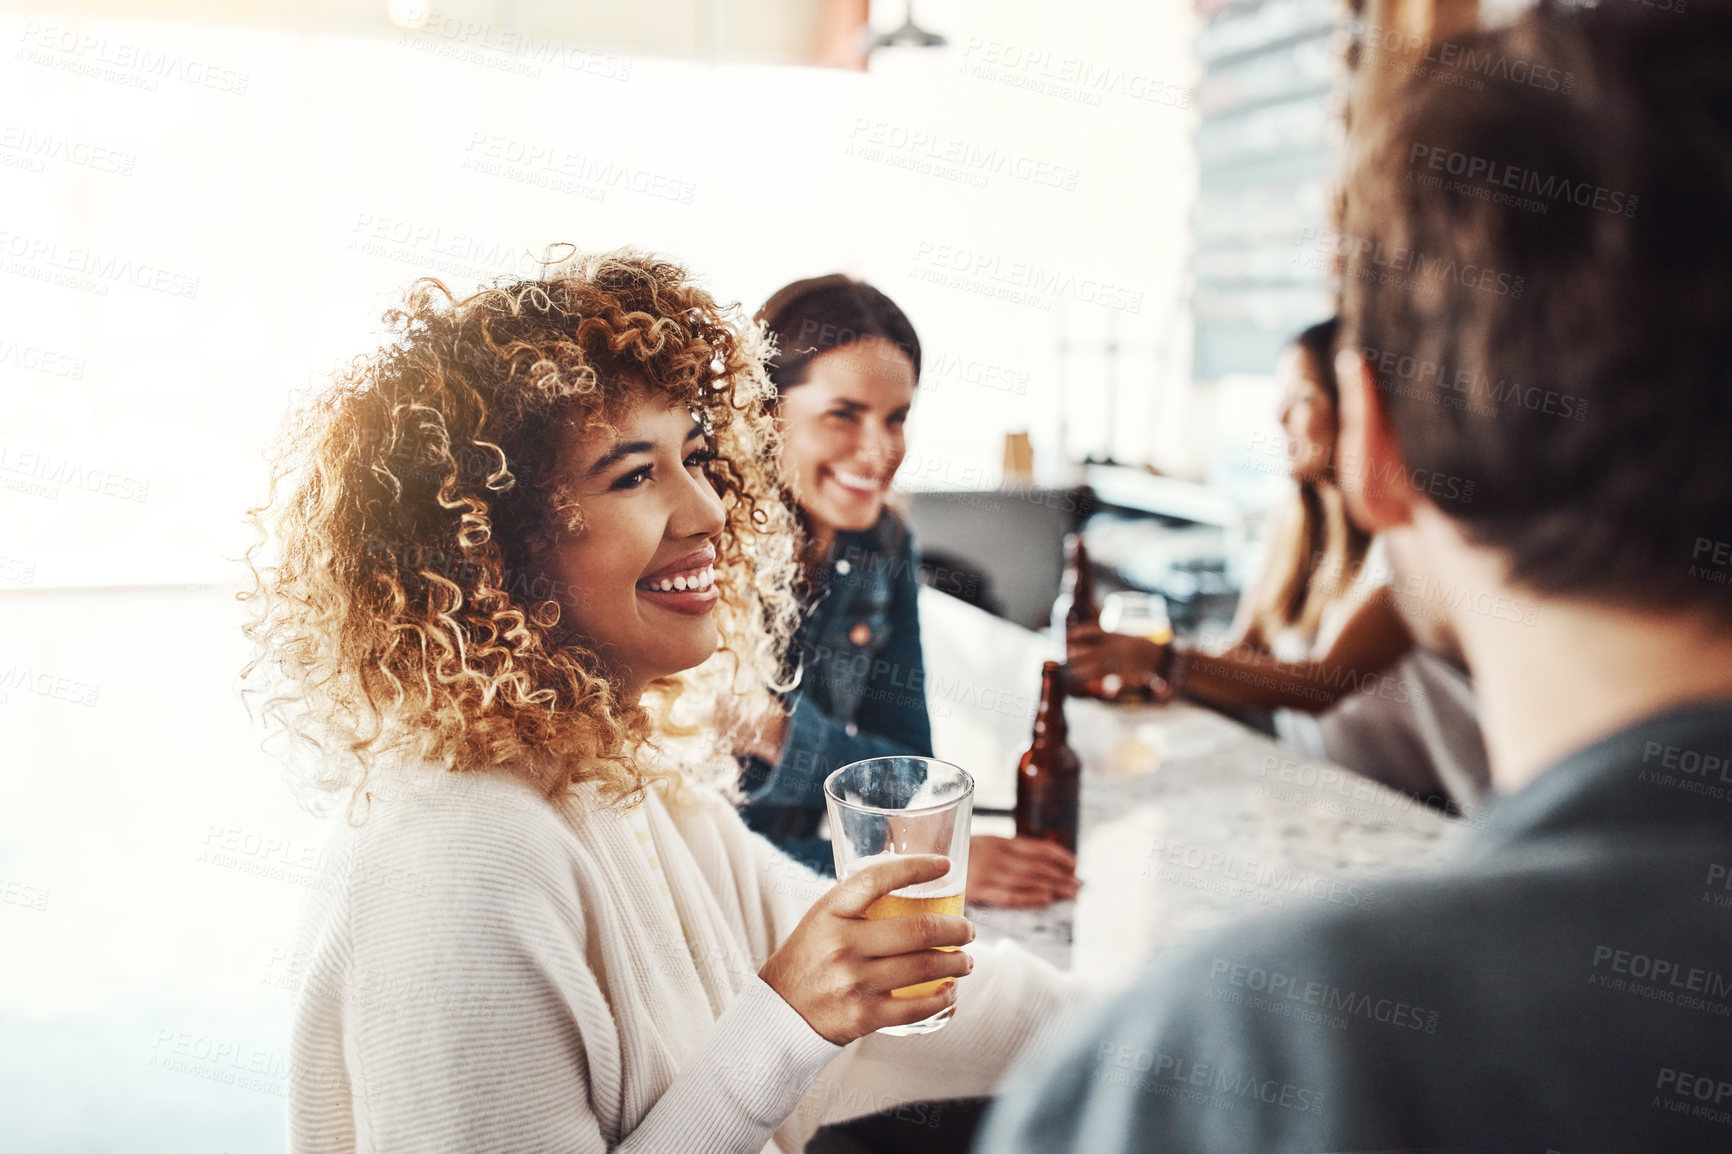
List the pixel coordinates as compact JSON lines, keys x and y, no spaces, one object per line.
{"x":1320,"y":652}
{"x":846,"y":365}
{"x":1319,"y":619}
{"x":1322,"y":581}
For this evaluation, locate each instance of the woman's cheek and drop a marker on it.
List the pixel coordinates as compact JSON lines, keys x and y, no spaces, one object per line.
{"x":1325,"y":434}
{"x":838,"y":445}
{"x":790,"y":466}
{"x":802,"y":444}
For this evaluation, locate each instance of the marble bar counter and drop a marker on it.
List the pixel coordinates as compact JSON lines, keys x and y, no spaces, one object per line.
{"x":1189,"y":819}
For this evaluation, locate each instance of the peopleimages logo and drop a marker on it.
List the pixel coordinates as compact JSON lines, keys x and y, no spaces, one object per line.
{"x":1374,"y":258}
{"x":51,"y":471}
{"x":88,"y":270}
{"x":24,"y":679}
{"x":1719,"y":555}
{"x":1020,"y":282}
{"x":37,"y":359}
{"x":1452,"y":63}
{"x":508,"y":49}
{"x":1298,"y":988}
{"x":550,"y":164}
{"x":1196,"y":1082}
{"x":1461,"y":387}
{"x":34,"y":149}
{"x":1695,"y":1095}
{"x":932,"y":152}
{"x":132,"y":63}
{"x":1495,"y":176}
{"x":1663,"y":972}
{"x":1283,"y":878}
{"x":1066,"y":77}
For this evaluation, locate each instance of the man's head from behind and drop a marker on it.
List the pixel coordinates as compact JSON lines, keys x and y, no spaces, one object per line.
{"x":1553,"y":370}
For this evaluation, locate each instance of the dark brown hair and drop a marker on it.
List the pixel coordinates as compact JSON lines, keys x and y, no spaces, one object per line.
{"x":1587,"y":417}
{"x":1317,"y":343}
{"x":1318,"y":557}
{"x":811,"y":317}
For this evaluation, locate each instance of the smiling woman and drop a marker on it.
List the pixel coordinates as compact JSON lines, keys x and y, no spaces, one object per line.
{"x":434,"y":592}
{"x":646,"y":554}
{"x":845,"y":369}
{"x":526,"y":556}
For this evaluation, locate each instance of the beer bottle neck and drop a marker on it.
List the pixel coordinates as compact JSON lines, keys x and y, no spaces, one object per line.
{"x":1049,"y":723}
{"x":1079,"y":582}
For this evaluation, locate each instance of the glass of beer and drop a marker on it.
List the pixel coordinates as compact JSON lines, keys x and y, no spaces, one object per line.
{"x":1138,"y":614}
{"x":904,"y":805}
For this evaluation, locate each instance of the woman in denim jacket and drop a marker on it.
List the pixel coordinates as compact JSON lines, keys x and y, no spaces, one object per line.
{"x":845,"y":368}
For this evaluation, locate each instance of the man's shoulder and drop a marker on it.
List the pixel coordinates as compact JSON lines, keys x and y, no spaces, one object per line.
{"x":1411,"y":950}
{"x":1253,"y":1036}
{"x":1344,"y":1028}
{"x":1303,"y":969}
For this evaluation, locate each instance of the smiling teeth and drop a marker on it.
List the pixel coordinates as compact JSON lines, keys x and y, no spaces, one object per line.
{"x":855,"y":480}
{"x":684,"y":583}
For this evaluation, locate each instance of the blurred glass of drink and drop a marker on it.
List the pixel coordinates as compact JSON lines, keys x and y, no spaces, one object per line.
{"x":1137,"y":614}
{"x":904,"y":805}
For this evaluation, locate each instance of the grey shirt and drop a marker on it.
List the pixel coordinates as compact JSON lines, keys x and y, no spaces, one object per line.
{"x":1564,"y":985}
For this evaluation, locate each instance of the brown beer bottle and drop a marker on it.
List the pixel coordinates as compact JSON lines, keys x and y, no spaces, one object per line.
{"x":1077,"y":607}
{"x":1049,"y":774}
{"x":1077,"y":593}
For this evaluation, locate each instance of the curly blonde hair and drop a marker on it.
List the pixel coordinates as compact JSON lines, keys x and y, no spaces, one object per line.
{"x":398,"y":604}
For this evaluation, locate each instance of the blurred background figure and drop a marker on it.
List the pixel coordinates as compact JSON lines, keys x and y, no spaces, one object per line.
{"x":1318,"y":619}
{"x":1321,"y":652}
{"x":1320,"y":596}
{"x":846,"y":366}
{"x":1569,"y":576}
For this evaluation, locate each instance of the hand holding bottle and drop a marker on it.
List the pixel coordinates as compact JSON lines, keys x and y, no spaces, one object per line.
{"x":1100,"y":663}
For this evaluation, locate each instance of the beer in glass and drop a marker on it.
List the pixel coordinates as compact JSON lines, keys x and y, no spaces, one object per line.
{"x":904,"y":805}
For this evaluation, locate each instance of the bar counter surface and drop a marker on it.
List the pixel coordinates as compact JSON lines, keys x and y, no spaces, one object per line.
{"x":1189,"y":819}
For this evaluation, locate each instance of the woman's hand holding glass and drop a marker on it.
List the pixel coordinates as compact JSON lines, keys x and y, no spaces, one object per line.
{"x":1093,"y":655}
{"x":838,"y":968}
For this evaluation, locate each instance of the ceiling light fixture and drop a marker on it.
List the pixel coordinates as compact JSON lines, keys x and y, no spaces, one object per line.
{"x":909,"y":35}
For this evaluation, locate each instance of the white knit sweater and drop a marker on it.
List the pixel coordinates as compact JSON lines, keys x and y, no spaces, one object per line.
{"x":483,"y":971}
